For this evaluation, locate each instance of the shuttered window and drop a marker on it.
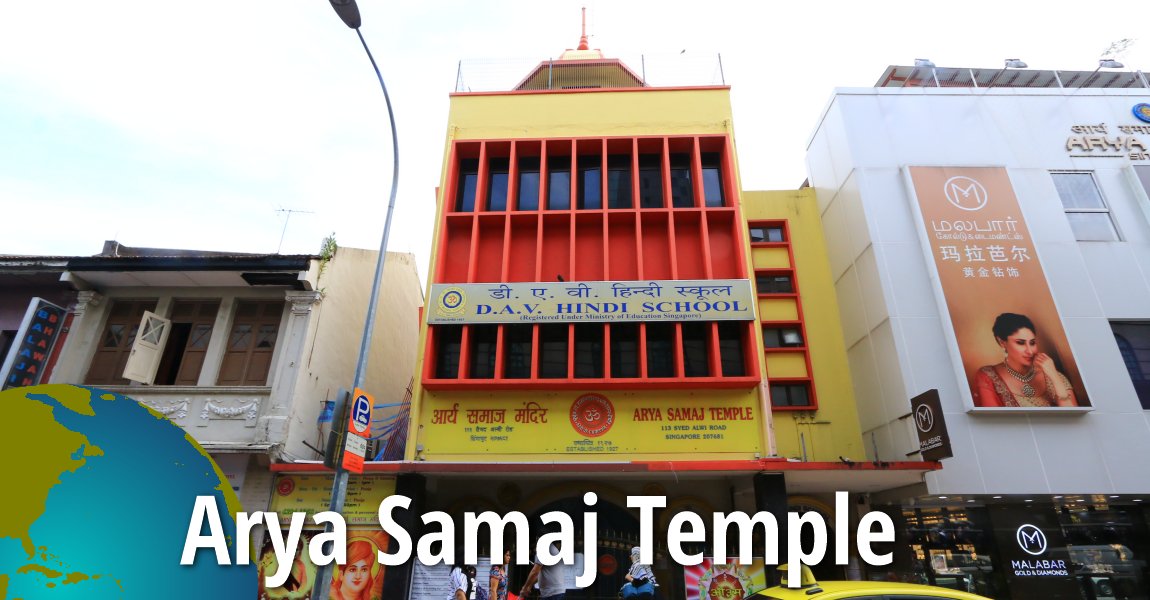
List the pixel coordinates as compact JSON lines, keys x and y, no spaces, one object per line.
{"x":251,"y":343}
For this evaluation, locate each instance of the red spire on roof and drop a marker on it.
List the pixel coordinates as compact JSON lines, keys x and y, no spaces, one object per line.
{"x":583,"y":38}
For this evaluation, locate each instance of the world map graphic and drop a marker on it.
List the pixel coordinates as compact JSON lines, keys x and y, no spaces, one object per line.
{"x":97,"y":498}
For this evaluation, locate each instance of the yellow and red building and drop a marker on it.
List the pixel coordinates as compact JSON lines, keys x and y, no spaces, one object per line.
{"x":609,"y":311}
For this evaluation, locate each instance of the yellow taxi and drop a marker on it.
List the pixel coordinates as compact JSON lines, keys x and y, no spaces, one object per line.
{"x":810,"y":589}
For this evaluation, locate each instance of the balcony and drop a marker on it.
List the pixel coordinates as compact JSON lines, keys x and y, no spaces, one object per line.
{"x":221,"y":419}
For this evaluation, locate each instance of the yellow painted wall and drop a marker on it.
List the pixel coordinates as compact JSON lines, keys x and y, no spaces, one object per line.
{"x":572,"y":114}
{"x":833,"y":430}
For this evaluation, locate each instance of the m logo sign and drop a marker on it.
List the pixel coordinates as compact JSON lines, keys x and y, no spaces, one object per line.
{"x":965,"y":193}
{"x":1031,"y":539}
{"x":924,"y":418}
{"x":933,"y":440}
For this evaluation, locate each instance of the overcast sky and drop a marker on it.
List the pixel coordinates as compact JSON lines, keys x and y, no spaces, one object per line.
{"x":190,"y":124}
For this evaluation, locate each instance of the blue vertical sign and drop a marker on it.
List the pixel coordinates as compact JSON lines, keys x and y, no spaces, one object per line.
{"x":33,"y":344}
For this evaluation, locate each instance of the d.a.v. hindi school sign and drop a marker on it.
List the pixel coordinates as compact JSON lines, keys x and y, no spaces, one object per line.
{"x":596,"y":301}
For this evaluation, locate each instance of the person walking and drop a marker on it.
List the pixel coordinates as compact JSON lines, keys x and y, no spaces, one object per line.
{"x":552,"y":579}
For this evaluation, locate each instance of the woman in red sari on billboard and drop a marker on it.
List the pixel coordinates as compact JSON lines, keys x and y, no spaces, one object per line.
{"x":1025,"y":377}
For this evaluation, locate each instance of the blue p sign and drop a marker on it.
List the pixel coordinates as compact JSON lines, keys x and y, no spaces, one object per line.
{"x":360,"y":420}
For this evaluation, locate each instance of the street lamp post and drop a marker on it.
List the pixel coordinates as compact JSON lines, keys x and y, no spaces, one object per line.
{"x":348,"y":11}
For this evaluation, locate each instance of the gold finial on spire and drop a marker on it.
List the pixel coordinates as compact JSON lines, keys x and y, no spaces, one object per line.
{"x":583,"y":38}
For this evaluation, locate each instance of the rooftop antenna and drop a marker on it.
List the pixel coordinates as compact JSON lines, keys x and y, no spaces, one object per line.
{"x":1117,"y":49}
{"x":583,"y":38}
{"x":289,"y":213}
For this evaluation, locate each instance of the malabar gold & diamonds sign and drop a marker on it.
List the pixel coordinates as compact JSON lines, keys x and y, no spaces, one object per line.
{"x":593,"y":301}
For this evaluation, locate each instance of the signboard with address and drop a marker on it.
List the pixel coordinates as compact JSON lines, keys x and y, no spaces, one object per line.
{"x":593,"y":301}
{"x":309,"y":493}
{"x":587,"y":424}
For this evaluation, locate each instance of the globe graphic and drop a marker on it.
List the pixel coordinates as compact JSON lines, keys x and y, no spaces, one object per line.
{"x":97,"y":498}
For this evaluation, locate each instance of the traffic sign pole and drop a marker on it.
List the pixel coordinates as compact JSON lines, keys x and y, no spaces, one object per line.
{"x":348,"y":12}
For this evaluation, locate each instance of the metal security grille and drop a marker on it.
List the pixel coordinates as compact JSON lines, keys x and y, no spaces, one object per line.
{"x":914,"y":77}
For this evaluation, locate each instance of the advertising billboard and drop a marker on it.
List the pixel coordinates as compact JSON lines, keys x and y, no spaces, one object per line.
{"x":1012,"y":344}
{"x":360,"y":577}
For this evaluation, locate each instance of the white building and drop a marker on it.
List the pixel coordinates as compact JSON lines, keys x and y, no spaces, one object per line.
{"x":1072,"y":147}
{"x":247,"y":348}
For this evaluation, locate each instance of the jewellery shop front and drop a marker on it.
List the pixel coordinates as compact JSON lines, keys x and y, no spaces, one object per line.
{"x":1023,"y":548}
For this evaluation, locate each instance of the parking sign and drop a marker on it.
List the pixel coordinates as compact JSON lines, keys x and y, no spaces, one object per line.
{"x":359,"y":417}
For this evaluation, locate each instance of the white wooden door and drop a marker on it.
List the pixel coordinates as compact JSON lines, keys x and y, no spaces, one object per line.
{"x":144,"y":359}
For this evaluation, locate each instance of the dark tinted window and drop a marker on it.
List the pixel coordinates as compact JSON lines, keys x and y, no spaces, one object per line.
{"x":682,"y":193}
{"x":590,"y":183}
{"x":553,"y":351}
{"x":483,"y":351}
{"x":517,"y":351}
{"x":650,"y":181}
{"x":528,"y":191}
{"x":790,"y":394}
{"x":497,"y":184}
{"x":447,"y":345}
{"x":767,"y":234}
{"x":660,"y":350}
{"x":696,"y":358}
{"x":774,"y":284}
{"x":619,"y":181}
{"x":782,"y":337}
{"x":589,"y":350}
{"x":468,"y":180}
{"x":731,"y":349}
{"x":712,"y":180}
{"x":559,"y":183}
{"x":1133,"y":341}
{"x":624,"y":350}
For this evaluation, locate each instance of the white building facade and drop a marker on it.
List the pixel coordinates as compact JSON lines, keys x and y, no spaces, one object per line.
{"x":247,"y":350}
{"x":1066,"y":156}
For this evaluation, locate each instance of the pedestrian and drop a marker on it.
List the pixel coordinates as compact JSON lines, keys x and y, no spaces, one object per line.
{"x":460,"y":583}
{"x":640,"y":579}
{"x":496,"y":588}
{"x":552,"y":579}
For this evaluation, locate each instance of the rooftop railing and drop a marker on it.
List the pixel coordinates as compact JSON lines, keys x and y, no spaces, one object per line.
{"x":645,"y":70}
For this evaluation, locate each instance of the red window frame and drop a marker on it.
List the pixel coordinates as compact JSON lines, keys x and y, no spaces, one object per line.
{"x":799,"y":322}
{"x":603,"y":243}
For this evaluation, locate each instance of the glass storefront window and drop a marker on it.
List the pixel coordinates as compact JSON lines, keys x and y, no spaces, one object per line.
{"x":951,"y":547}
{"x":975,"y":547}
{"x":1107,"y":546}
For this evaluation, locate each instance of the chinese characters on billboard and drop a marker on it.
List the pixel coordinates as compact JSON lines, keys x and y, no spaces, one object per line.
{"x":1013,"y":347}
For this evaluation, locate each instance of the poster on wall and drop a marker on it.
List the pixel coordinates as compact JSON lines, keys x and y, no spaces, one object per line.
{"x":361,"y":578}
{"x":1010,"y":337}
{"x":730,"y":580}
